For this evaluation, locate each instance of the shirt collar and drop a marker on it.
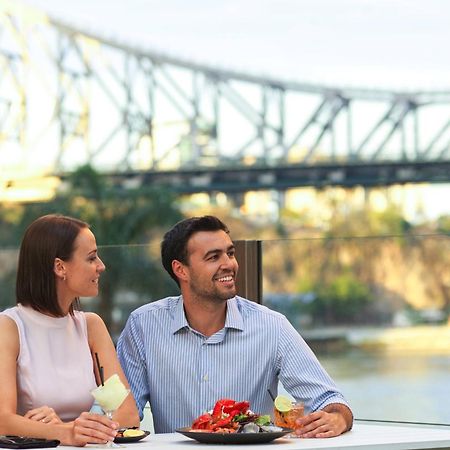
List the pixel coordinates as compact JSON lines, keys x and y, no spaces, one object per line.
{"x":234,"y":317}
{"x":232,"y":320}
{"x":179,"y":318}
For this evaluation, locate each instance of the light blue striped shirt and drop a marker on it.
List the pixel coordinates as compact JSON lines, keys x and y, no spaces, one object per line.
{"x":182,"y":373}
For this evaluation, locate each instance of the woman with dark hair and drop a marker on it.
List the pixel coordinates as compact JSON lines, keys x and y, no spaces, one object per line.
{"x":47,"y":364}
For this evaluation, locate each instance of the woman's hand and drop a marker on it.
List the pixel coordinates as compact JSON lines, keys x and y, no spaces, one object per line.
{"x":43,"y":414}
{"x":91,"y":428}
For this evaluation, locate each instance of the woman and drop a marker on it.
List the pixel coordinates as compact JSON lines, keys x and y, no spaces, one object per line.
{"x":48,"y":347}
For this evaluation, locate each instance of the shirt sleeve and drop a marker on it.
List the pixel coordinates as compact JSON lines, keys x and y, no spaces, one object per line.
{"x":132,"y":360}
{"x":301,"y":373}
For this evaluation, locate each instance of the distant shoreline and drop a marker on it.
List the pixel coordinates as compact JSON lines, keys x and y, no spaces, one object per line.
{"x":431,"y":339}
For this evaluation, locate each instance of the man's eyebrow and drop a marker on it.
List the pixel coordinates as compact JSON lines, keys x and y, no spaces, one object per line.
{"x":217,"y":250}
{"x":93,"y":251}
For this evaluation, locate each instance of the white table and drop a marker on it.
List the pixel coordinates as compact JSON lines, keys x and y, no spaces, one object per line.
{"x":363,"y":436}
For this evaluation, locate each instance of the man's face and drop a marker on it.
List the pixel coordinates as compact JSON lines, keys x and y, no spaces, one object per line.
{"x":212,"y":266}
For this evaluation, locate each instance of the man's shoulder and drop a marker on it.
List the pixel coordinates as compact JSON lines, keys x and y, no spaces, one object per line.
{"x":156,"y":307}
{"x":249,"y":307}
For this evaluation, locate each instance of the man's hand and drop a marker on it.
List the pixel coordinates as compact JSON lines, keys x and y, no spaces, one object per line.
{"x":332,"y":421}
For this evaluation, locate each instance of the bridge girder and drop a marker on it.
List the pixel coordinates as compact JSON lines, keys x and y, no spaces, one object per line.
{"x":69,"y":97}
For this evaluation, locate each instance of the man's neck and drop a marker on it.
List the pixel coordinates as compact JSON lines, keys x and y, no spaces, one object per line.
{"x":204,"y":316}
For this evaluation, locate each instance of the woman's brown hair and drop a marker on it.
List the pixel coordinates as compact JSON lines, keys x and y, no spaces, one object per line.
{"x":48,"y":237}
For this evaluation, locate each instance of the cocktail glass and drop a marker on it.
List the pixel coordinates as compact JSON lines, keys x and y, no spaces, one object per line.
{"x":286,"y":419}
{"x":109,"y":397}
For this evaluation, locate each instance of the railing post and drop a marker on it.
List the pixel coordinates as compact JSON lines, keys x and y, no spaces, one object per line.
{"x":249,"y":279}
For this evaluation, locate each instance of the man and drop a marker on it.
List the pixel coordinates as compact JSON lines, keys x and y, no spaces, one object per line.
{"x":183,"y":353}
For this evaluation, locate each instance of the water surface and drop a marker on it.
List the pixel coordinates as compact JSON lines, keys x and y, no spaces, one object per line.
{"x":391,"y":386}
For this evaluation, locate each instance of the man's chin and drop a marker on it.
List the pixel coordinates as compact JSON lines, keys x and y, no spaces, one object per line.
{"x":230,"y":294}
{"x":224,"y":296}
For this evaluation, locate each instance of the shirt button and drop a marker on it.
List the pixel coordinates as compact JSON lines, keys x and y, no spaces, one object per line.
{"x":205,"y":377}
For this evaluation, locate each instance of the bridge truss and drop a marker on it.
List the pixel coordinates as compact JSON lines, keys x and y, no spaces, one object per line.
{"x":70,"y":97}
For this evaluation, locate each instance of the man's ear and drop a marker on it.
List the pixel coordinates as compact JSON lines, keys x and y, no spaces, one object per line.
{"x":59,"y":268}
{"x":179,"y":269}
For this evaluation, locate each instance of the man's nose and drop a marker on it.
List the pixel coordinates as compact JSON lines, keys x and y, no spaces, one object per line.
{"x":229,"y":262}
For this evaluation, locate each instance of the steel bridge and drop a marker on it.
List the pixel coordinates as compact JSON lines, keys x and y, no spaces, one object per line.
{"x":69,"y":97}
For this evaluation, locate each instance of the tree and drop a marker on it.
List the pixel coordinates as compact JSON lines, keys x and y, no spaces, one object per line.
{"x":343,"y":300}
{"x":125,"y":223}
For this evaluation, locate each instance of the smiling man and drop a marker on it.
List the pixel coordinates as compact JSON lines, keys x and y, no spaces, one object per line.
{"x":184,"y":353}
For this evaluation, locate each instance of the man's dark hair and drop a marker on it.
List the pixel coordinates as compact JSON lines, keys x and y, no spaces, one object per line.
{"x":174,"y":243}
{"x":48,"y":237}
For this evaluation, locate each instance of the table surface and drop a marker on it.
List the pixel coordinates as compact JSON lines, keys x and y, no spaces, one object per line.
{"x":363,"y":436}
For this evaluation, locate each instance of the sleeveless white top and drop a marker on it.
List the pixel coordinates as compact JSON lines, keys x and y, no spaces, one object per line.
{"x":54,"y":366}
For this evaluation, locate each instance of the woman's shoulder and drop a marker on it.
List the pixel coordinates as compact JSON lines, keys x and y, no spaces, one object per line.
{"x":11,"y":312}
{"x":9,"y":318}
{"x":7,"y":322}
{"x":93,"y":320}
{"x":96,"y":327}
{"x":9,"y":331}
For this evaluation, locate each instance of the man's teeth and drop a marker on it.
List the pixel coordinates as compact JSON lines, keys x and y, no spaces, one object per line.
{"x":224,"y":279}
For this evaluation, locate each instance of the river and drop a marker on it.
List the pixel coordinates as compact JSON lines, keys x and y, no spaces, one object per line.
{"x":392,"y":386}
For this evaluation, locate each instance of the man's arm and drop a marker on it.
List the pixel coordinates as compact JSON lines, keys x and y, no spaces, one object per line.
{"x":344,"y":411}
{"x":305,"y":379}
{"x":129,"y":350}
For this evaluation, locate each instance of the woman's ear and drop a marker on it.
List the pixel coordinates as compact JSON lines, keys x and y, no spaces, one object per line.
{"x":59,"y":268}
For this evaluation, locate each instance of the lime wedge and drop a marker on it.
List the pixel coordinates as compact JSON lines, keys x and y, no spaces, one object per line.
{"x":283,"y":404}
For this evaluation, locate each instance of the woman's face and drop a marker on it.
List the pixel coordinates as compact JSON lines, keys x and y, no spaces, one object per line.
{"x":83,"y":269}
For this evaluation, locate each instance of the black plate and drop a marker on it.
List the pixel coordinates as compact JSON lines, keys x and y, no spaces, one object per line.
{"x":125,"y":440}
{"x":233,"y":438}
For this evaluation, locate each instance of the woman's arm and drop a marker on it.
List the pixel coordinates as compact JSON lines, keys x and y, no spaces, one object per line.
{"x":86,"y":428}
{"x":100,"y":342}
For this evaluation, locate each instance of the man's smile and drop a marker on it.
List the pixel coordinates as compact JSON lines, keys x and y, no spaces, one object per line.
{"x":225,"y":279}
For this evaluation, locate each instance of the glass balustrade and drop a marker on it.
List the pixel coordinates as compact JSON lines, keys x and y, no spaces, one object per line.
{"x":374,"y":310}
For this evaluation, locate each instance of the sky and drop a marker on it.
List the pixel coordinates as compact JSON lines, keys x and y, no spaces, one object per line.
{"x":399,"y":44}
{"x":392,"y":44}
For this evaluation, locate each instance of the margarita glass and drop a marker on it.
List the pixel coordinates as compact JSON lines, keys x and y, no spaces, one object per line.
{"x":110,"y":396}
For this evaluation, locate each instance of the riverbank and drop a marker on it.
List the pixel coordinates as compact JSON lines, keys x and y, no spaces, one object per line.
{"x":430,"y":339}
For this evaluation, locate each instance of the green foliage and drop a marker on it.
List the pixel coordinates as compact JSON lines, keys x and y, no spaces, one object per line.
{"x":343,"y":300}
{"x":8,"y":264}
{"x":118,"y":217}
{"x":366,"y":222}
{"x":443,"y":224}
